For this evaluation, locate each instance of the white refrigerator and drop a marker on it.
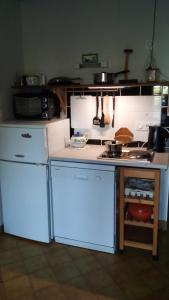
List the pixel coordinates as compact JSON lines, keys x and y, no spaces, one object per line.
{"x":25,"y":148}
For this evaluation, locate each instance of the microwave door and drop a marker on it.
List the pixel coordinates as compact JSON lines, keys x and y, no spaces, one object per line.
{"x":27,"y":107}
{"x":33,"y":106}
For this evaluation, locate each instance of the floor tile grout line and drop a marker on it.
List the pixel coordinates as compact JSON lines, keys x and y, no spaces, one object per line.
{"x":26,"y":273}
{"x":102,"y":266}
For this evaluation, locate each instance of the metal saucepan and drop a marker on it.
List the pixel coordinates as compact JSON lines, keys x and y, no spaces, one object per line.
{"x":104,"y":77}
{"x":112,"y":147}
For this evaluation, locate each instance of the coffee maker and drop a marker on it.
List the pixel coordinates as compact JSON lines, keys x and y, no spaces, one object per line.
{"x":157,"y":138}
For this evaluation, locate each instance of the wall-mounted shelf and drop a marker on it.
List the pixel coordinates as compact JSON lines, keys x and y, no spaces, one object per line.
{"x":113,"y":86}
{"x":33,"y":87}
{"x":140,"y":88}
{"x":102,"y":64}
{"x":100,"y":86}
{"x":97,"y":65}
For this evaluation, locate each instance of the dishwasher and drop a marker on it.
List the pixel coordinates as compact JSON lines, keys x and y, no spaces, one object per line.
{"x":83,"y":202}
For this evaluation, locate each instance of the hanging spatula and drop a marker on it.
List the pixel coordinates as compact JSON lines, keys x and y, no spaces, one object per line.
{"x":113,"y":111}
{"x":96,"y":120}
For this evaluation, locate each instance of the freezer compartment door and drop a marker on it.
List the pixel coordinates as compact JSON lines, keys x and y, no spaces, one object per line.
{"x":25,"y":200}
{"x":23,"y":144}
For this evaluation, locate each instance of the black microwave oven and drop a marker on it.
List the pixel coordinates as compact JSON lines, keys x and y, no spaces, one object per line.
{"x":36,"y":106}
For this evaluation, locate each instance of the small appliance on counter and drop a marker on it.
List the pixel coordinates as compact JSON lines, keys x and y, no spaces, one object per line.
{"x":36,"y":106}
{"x":157,"y":138}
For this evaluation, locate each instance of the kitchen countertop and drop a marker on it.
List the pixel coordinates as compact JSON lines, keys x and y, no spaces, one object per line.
{"x":30,"y":123}
{"x":89,"y":154}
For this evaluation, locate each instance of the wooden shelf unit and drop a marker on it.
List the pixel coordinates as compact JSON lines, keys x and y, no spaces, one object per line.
{"x":140,"y":173}
{"x":62,"y":90}
{"x":138,"y":200}
{"x":138,"y":223}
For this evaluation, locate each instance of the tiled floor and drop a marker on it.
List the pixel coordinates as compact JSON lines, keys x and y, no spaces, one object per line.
{"x":31,"y":270}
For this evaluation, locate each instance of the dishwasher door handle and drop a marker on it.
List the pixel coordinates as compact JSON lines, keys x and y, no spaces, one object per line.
{"x":81,"y":177}
{"x":19,"y":155}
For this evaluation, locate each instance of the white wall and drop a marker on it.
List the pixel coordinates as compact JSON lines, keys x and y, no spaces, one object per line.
{"x":56,"y":33}
{"x":10,"y":56}
{"x":1,"y":220}
{"x":10,"y":52}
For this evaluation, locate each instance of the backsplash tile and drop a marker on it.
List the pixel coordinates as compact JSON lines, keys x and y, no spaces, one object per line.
{"x":134,"y":112}
{"x":82,"y":111}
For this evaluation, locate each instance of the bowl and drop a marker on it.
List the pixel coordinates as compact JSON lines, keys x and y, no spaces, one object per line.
{"x":140,"y":212}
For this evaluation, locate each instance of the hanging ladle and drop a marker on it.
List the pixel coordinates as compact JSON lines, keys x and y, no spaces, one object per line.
{"x":96,"y":120}
{"x":102,"y":124}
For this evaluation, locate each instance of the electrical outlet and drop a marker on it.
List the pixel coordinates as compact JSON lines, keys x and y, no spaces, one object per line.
{"x":148,"y":123}
{"x":141,"y":126}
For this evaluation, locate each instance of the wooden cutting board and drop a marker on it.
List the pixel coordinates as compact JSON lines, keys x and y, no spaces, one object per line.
{"x":123,"y":135}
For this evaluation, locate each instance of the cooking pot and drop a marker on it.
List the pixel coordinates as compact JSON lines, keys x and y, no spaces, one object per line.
{"x":100,"y":77}
{"x":157,"y":137}
{"x":140,"y":212}
{"x":104,"y":77}
{"x":112,"y":147}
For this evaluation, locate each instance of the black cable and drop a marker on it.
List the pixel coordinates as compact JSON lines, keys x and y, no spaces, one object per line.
{"x":153,"y":36}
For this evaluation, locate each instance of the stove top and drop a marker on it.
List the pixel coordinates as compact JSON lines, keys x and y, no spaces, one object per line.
{"x":133,"y":155}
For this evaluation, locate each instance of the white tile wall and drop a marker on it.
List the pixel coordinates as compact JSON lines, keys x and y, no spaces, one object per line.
{"x":133,"y":112}
{"x":82,"y":111}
